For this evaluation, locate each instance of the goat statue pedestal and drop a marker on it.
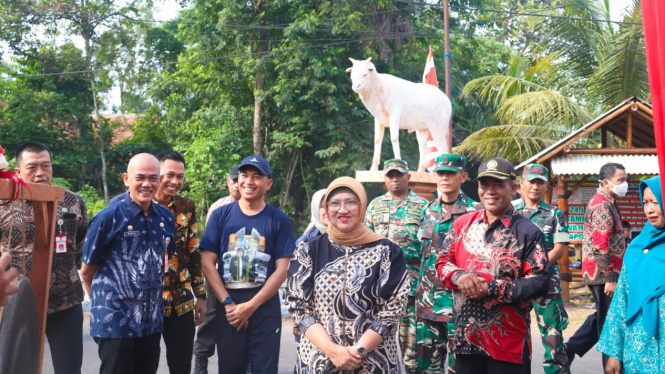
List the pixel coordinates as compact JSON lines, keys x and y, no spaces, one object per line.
{"x":422,"y":183}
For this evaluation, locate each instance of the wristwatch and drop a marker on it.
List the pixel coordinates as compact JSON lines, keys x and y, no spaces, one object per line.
{"x":227,"y":301}
{"x":361,"y":350}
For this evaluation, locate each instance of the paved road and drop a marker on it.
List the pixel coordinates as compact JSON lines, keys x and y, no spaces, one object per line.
{"x":589,"y":364}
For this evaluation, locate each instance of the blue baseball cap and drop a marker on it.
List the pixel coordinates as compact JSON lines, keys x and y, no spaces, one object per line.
{"x":258,"y":162}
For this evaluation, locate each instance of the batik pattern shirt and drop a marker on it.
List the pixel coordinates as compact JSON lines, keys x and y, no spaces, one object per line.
{"x":129,"y":249}
{"x":398,"y":220}
{"x":434,"y":302}
{"x":633,"y":346}
{"x":65,"y":290}
{"x":510,"y":255}
{"x":184,"y":275}
{"x":375,"y":299}
{"x":603,"y":244}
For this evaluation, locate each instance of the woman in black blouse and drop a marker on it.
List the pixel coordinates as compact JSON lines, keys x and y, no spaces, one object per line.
{"x":347,"y":290}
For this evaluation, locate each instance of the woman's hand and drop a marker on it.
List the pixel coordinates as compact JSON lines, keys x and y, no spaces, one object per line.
{"x":613,"y":366}
{"x":343,"y":358}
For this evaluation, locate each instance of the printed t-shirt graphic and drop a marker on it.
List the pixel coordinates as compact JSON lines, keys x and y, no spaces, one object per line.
{"x":248,"y":246}
{"x":246,"y":262}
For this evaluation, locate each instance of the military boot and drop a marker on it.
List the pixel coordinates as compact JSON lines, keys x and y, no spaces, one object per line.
{"x":201,"y":364}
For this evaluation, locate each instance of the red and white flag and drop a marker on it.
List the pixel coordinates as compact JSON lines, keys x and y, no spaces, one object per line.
{"x":429,"y":77}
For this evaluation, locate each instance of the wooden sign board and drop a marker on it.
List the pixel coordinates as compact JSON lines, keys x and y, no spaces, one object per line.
{"x":45,"y":201}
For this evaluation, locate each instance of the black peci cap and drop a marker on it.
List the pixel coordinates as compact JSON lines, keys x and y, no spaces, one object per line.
{"x":234,"y":172}
{"x":498,"y":168}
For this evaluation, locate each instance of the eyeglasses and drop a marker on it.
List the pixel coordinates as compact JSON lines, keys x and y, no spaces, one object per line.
{"x":350,"y":205}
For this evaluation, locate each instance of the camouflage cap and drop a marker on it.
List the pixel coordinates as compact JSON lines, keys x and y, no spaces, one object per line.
{"x":535,"y":171}
{"x":394,"y":164}
{"x":450,"y":162}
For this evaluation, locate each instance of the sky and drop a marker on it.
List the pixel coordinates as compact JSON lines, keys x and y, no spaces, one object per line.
{"x":168,"y":9}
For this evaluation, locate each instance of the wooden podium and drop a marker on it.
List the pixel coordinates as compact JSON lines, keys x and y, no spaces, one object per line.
{"x":45,"y":201}
{"x":423,"y":184}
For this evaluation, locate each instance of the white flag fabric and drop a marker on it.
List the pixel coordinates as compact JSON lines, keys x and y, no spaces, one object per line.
{"x":429,"y":77}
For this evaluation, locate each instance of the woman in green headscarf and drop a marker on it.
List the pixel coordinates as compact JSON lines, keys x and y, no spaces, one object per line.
{"x":634,"y":331}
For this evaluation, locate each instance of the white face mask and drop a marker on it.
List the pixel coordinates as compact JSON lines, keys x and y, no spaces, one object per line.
{"x":620,"y":190}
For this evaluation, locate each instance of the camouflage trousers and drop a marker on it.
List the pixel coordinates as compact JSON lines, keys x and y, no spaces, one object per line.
{"x":407,"y":335}
{"x":552,"y":320}
{"x":435,"y":342}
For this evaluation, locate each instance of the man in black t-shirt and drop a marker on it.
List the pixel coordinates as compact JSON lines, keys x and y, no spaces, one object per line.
{"x":253,"y":316}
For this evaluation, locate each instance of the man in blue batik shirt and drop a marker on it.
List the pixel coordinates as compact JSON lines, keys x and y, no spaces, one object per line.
{"x":125,"y":251}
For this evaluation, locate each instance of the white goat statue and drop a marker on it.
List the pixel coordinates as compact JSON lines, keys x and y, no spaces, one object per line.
{"x":399,"y":104}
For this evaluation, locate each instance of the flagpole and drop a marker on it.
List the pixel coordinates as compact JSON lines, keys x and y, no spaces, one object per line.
{"x":653,"y":15}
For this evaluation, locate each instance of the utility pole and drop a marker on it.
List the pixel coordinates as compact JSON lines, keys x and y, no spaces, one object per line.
{"x":448,"y":70}
{"x":446,"y":25}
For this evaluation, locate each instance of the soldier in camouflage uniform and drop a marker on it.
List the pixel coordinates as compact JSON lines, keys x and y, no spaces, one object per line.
{"x":434,"y":305}
{"x":396,"y":216}
{"x":550,"y":313}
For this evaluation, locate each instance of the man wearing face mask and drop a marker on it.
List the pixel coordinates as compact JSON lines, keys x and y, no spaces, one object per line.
{"x":603,"y":247}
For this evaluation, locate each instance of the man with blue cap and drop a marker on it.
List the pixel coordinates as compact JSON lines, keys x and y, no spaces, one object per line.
{"x":250,"y":332}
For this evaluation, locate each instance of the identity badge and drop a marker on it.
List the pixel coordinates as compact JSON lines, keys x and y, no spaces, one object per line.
{"x":60,"y":244}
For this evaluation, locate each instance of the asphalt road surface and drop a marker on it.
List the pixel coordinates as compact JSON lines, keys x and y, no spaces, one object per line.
{"x":589,"y":364}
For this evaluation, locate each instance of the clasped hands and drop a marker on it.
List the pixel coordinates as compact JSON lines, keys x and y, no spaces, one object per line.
{"x":344,"y":358}
{"x":473,"y":286}
{"x":238,"y":314}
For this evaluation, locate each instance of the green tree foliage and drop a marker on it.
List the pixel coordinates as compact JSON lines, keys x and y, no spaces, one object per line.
{"x":313,"y":127}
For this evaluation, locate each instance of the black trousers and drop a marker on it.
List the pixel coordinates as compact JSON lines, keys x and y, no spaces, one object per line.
{"x":589,"y":333}
{"x":129,"y":356}
{"x":206,"y":334}
{"x":178,"y":336}
{"x":64,"y":331}
{"x":481,"y":364}
{"x":257,"y":345}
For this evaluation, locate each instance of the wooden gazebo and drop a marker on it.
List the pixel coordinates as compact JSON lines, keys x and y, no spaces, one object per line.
{"x":626,"y":137}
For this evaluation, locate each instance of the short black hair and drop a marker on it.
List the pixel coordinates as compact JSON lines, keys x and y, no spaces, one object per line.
{"x":625,"y":224}
{"x":33,"y":147}
{"x":171,"y":155}
{"x":608,"y":170}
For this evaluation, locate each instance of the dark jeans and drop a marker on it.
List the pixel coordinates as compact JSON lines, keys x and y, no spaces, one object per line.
{"x":129,"y":356}
{"x":206,"y":334}
{"x":257,"y":345}
{"x":179,"y":339}
{"x":481,"y":364}
{"x":64,"y":331}
{"x":588,"y":334}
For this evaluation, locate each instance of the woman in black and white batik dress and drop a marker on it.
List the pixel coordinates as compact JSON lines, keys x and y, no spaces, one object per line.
{"x":348,"y":291}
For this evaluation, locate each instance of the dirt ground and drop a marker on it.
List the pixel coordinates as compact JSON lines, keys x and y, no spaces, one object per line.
{"x":580,"y":306}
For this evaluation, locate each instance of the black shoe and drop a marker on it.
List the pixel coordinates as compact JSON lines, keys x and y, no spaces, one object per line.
{"x":412,"y":371}
{"x":569,"y":353}
{"x":201,"y":364}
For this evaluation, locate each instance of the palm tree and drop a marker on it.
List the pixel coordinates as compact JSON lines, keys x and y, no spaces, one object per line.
{"x":587,"y":68}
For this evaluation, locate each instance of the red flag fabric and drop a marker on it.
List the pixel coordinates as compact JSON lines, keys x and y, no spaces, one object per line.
{"x":653,"y":19}
{"x":429,"y":77}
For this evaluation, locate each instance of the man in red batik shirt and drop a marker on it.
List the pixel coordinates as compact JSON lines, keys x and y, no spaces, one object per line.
{"x":495,"y":262}
{"x":603,"y":247}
